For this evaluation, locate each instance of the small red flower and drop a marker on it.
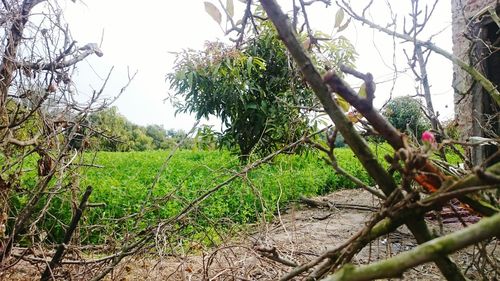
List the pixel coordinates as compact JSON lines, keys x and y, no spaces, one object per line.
{"x":428,"y":137}
{"x":429,"y":140}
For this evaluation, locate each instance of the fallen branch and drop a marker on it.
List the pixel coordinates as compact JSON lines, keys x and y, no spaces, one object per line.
{"x":272,"y":254}
{"x":385,"y":226}
{"x":32,"y":259}
{"x":56,"y":259}
{"x":332,"y":205}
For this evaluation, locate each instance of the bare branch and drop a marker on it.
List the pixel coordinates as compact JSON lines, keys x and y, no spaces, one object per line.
{"x":88,"y":50}
{"x":475,"y":74}
{"x":272,"y":254}
{"x":395,"y":266}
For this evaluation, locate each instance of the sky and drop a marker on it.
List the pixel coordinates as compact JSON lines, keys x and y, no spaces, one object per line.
{"x":143,"y":35}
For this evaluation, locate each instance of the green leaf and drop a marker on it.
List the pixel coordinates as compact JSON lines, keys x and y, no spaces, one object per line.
{"x":339,"y":17}
{"x":344,"y":26}
{"x":362,"y":91}
{"x":230,"y":8}
{"x":213,"y":12}
{"x":259,"y":62}
{"x":190,"y":77}
{"x":251,"y":106}
{"x":249,"y":65}
{"x":215,"y":72}
{"x":343,"y":104}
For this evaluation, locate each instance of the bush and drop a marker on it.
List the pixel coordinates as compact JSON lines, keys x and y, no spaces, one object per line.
{"x":406,"y":115}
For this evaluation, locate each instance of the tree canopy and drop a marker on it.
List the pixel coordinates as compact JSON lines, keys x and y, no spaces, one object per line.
{"x":406,"y":115}
{"x":255,"y":90}
{"x":113,"y":132}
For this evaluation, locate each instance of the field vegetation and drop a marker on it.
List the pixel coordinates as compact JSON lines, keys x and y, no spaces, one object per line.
{"x":82,"y":188}
{"x":122,"y":182}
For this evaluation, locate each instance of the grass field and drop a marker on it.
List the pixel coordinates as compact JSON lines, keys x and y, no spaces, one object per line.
{"x":127,"y":178}
{"x":123,"y":188}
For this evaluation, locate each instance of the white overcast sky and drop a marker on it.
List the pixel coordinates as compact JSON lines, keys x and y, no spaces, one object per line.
{"x":140,"y":35}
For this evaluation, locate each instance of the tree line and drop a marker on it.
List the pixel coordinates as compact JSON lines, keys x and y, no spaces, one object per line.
{"x":112,"y":131}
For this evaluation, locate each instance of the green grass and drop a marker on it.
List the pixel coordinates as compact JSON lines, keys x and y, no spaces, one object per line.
{"x":126,"y":179}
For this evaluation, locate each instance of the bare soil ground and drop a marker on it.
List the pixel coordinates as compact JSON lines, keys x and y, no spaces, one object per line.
{"x":299,"y":234}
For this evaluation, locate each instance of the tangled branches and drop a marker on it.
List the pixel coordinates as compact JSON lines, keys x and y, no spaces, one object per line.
{"x":402,"y":205}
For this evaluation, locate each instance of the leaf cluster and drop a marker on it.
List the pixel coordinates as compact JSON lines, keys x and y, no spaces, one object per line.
{"x":255,"y":90}
{"x":406,"y":115}
{"x":112,"y":131}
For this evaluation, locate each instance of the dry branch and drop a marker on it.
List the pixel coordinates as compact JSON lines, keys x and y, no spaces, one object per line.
{"x":395,"y":266}
{"x":333,"y":205}
{"x":150,"y":233}
{"x":272,"y":254}
{"x":354,"y":140}
{"x":346,"y":128}
{"x":474,"y":73}
{"x":58,"y":255}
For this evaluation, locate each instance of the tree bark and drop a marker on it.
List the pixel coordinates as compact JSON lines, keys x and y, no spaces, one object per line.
{"x":395,"y":266}
{"x":352,"y":138}
{"x":56,"y":259}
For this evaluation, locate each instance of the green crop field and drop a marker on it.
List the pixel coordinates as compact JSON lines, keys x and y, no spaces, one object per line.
{"x":126,"y":179}
{"x":127,"y":199}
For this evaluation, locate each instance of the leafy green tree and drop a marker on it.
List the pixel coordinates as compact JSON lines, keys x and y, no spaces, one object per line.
{"x":206,"y":138}
{"x":406,"y":115}
{"x":110,"y":130}
{"x":159,"y":136}
{"x":113,"y":132}
{"x":256,"y":91}
{"x":140,"y":140}
{"x":174,"y":137}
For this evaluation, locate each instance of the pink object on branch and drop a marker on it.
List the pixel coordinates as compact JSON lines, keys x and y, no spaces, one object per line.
{"x":429,"y":140}
{"x":428,"y":137}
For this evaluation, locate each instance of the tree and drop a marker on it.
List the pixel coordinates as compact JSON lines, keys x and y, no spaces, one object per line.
{"x":114,"y":132}
{"x":43,"y":124}
{"x":256,"y":92}
{"x":111,"y":130}
{"x":403,"y":203}
{"x":405,"y":114}
{"x":206,"y":138}
{"x":159,"y":136}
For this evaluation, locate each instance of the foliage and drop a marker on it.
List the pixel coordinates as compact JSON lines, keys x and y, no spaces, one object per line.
{"x":123,"y":183}
{"x":159,"y":136}
{"x":451,"y":129}
{"x":42,"y":120}
{"x":256,"y":91}
{"x":406,"y":115}
{"x":206,"y":138}
{"x":113,"y":132}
